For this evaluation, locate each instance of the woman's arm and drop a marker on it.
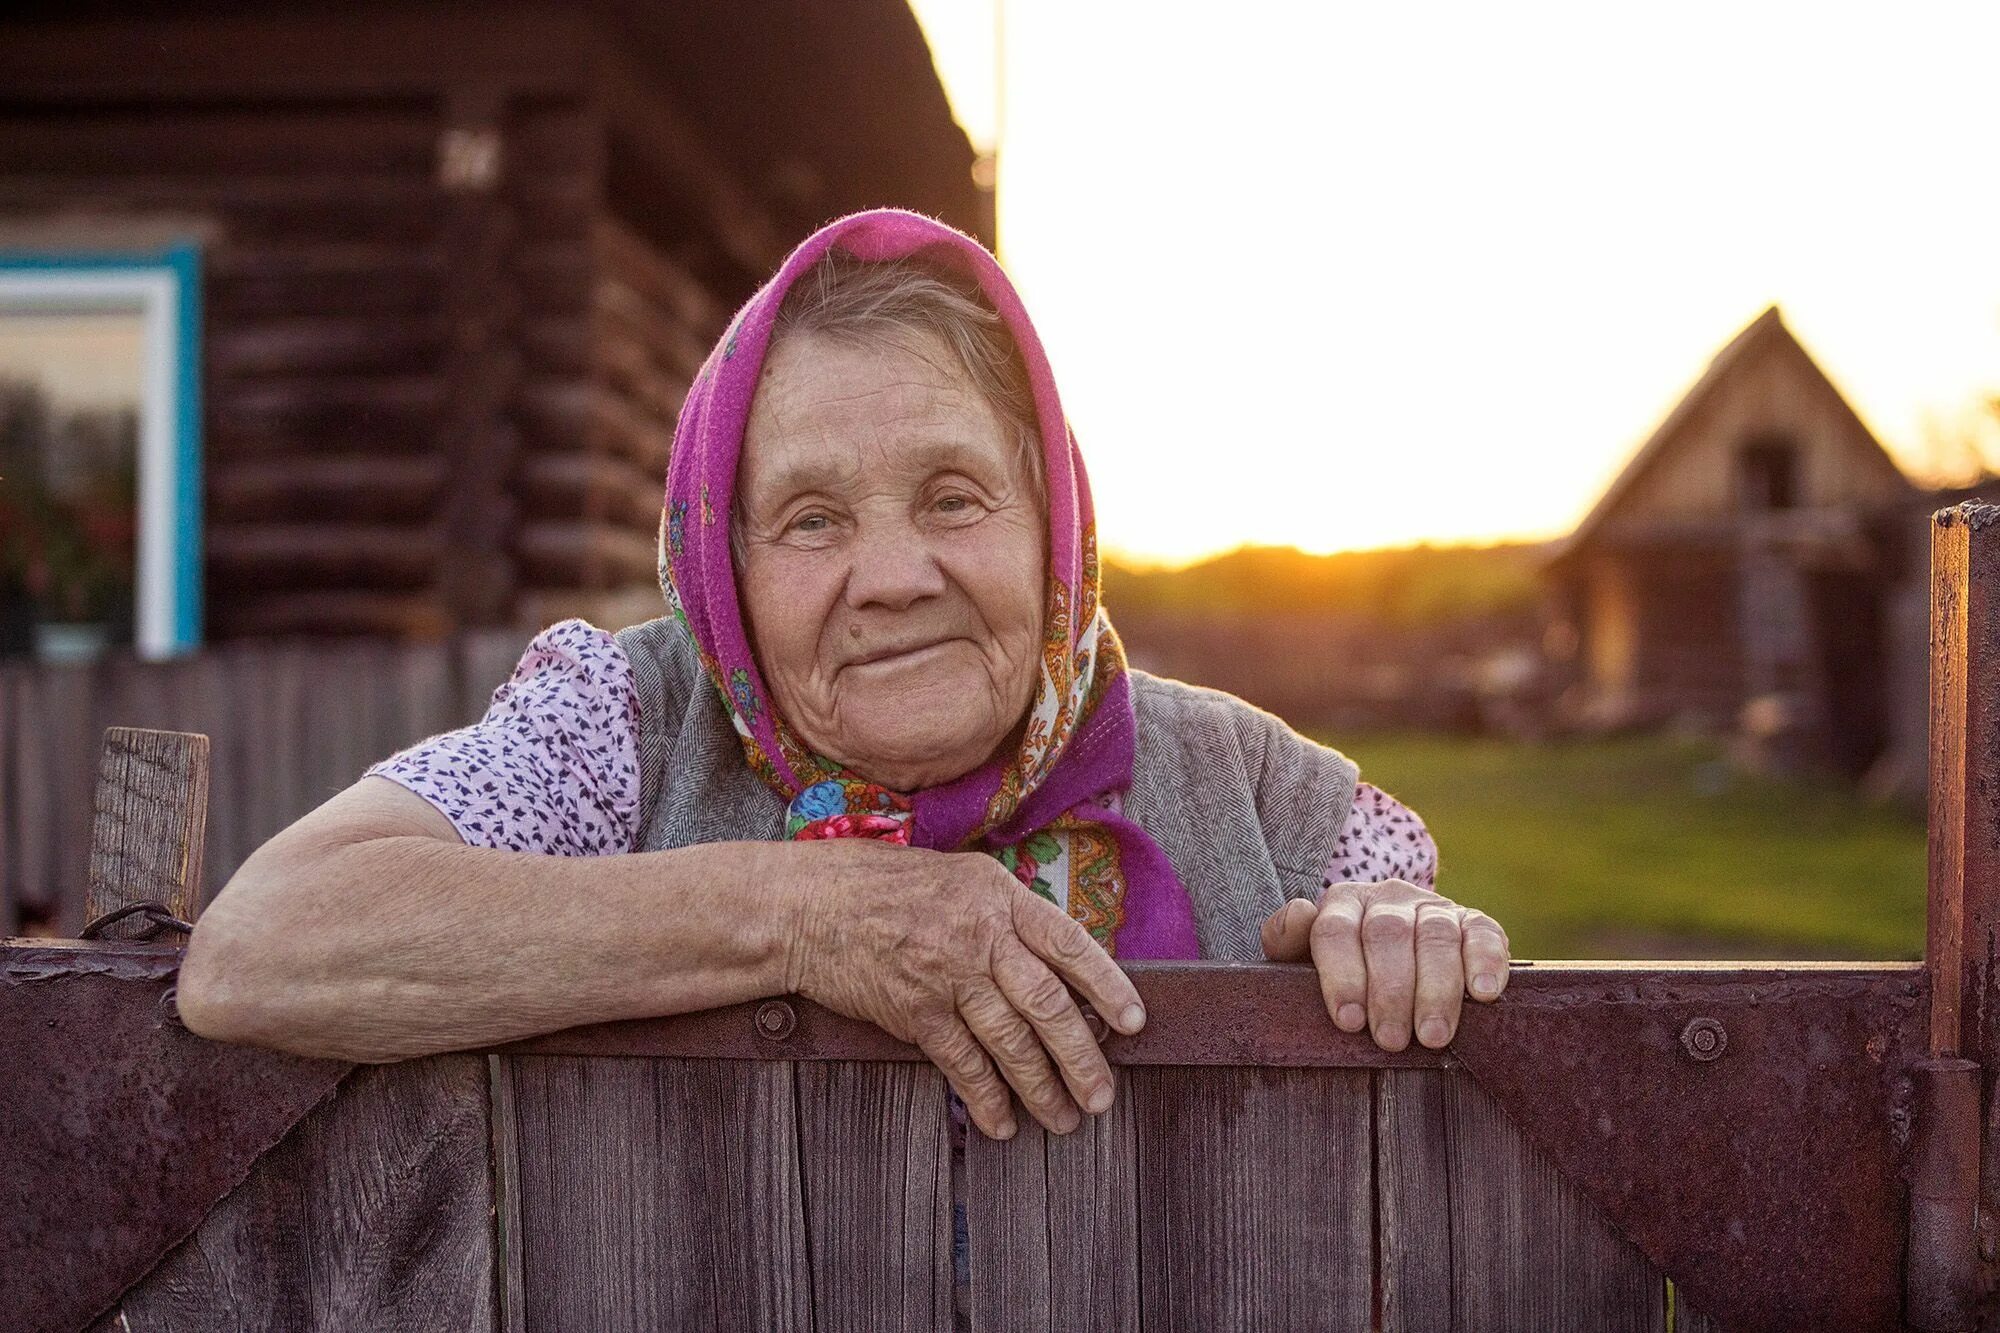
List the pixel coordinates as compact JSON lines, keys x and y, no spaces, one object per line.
{"x":368,"y":931}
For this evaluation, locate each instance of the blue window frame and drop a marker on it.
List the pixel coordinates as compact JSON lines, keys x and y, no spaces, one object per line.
{"x":143,"y":307}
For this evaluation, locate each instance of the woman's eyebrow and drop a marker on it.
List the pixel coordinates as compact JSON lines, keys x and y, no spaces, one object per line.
{"x":821,"y":472}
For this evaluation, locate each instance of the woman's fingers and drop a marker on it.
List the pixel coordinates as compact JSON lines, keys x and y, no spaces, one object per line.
{"x":1039,"y":996}
{"x":1485,"y":956}
{"x":1018,"y":1052}
{"x":1335,"y":942}
{"x":1067,"y":947}
{"x":1287,"y":932}
{"x":949,"y":1045}
{"x":1440,"y":988}
{"x":1388,"y":943}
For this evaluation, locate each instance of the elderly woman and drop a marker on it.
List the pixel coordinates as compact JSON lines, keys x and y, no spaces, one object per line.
{"x":885,"y":753}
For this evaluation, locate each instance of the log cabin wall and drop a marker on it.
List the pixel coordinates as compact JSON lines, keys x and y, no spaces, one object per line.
{"x":459,"y":265}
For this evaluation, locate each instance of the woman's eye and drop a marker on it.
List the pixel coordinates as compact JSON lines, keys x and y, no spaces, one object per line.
{"x":811,"y":523}
{"x":953,"y":504}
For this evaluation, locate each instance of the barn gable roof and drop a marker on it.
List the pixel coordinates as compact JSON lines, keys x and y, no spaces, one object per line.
{"x":1765,"y":335}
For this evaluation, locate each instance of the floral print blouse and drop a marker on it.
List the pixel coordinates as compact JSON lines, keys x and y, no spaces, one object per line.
{"x":553,"y":767}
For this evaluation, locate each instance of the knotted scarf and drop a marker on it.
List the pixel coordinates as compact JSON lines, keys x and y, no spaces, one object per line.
{"x":1048,"y":811}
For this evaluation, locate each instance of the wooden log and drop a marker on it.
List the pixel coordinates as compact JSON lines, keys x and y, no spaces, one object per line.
{"x":246,"y":490}
{"x":584,"y":554}
{"x":1520,"y":1245}
{"x":319,"y":555}
{"x":309,"y":414}
{"x":301,"y":57}
{"x":559,"y":416}
{"x":624,"y":257}
{"x":1255,"y":1197}
{"x":597,"y":486}
{"x":206,"y":141}
{"x":415,"y":614}
{"x":316,"y":344}
{"x":151,"y":827}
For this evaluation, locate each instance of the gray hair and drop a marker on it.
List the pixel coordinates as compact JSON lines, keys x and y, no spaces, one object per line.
{"x":901,"y":303}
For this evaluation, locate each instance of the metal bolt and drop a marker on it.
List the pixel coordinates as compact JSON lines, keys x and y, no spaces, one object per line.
{"x":170,"y":1003}
{"x":776,"y":1020}
{"x":1099,"y":1029}
{"x":1704,"y":1038}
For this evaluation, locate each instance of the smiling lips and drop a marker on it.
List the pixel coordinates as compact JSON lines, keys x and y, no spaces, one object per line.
{"x":891,"y":656}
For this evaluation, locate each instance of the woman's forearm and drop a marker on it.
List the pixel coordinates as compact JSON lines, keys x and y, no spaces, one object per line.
{"x":401,"y":946}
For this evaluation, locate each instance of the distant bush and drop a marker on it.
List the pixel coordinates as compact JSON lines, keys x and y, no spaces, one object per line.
{"x":1406,"y":587}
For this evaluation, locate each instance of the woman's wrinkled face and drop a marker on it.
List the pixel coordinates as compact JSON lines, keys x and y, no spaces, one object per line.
{"x":892,"y":557}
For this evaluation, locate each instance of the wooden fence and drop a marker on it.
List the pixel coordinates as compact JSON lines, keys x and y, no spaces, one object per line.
{"x":291,"y":724}
{"x":1610,"y":1147}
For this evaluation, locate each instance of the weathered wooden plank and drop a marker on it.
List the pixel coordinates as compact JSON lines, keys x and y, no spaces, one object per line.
{"x":12,"y":684}
{"x":660,"y":1194}
{"x":875,"y":1157}
{"x":1053,"y":1221}
{"x":1413,"y":1192}
{"x":151,"y":827}
{"x":1524,"y":1248}
{"x":375,"y":1213}
{"x":68,"y":740}
{"x":1255,"y":1197}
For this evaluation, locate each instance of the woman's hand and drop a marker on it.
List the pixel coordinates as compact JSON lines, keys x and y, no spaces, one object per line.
{"x":949,"y":951}
{"x":1392,"y":957}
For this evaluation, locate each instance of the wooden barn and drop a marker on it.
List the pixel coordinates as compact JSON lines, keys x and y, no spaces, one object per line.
{"x":404,"y":294}
{"x":1756,"y":569}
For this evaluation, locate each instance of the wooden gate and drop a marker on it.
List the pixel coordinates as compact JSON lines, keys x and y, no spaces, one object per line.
{"x":1624,"y":1146}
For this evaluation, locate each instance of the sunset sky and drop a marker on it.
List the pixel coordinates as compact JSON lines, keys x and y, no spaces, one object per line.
{"x":1345,"y":276}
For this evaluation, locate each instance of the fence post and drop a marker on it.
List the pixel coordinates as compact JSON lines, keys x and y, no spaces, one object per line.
{"x":151,"y":826}
{"x":1951,"y":1213}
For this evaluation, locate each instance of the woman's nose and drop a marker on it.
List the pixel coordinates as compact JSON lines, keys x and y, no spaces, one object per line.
{"x":893,"y":567}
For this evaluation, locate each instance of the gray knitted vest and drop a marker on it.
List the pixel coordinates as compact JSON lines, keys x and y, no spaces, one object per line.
{"x":1245,"y":809}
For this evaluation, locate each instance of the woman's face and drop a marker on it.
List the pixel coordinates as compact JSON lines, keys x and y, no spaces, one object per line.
{"x":892,"y":558}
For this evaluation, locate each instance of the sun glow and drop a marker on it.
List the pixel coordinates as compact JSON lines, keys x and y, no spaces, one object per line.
{"x":1347,"y":276}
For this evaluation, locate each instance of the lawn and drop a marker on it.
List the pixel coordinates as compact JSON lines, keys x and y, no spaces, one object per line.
{"x":1656,"y":848}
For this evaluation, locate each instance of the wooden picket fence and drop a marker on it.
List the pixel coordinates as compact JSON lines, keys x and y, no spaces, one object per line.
{"x":291,"y":723}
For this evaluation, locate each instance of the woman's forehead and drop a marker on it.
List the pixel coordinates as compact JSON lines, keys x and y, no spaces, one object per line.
{"x":828,"y":408}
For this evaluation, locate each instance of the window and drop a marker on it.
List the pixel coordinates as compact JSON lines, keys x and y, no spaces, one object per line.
{"x":100,"y":453}
{"x":1768,"y":475}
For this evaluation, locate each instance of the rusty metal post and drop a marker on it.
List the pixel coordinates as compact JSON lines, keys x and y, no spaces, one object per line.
{"x":1943,"y":1277}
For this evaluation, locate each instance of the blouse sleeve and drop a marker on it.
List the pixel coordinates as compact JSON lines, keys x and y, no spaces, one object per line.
{"x":553,"y":767}
{"x":1382,"y":839}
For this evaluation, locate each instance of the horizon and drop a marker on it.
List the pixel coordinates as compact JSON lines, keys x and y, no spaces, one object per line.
{"x":1479,"y":255}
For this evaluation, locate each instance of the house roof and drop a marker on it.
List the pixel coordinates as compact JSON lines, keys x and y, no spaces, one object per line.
{"x":1765,"y":333}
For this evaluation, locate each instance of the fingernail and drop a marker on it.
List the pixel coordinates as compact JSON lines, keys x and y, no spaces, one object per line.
{"x":1393,"y":1037}
{"x":1301,"y":911}
{"x":1099,"y":1100}
{"x":1352,"y":1017}
{"x":1005,"y":1129}
{"x":1067,"y":1122}
{"x":1434,"y":1032}
{"x":1486,"y":984}
{"x":1132,"y":1019}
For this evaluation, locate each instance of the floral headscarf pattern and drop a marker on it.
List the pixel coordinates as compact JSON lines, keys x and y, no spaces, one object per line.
{"x":1047,"y":812}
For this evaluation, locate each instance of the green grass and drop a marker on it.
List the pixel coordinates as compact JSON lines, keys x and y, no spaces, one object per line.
{"x":1653,"y":848}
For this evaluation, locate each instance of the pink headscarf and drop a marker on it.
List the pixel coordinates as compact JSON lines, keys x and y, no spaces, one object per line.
{"x":1045,"y":811}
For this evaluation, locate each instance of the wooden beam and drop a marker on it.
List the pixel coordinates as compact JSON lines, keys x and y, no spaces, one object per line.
{"x":151,"y":826}
{"x":296,"y":55}
{"x":1964,"y":919}
{"x":656,"y":131}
